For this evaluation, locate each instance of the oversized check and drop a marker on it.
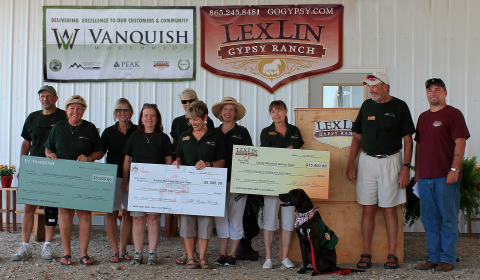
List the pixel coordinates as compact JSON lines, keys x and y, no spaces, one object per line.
{"x":272,"y":171}
{"x":67,"y":184}
{"x":163,"y":188}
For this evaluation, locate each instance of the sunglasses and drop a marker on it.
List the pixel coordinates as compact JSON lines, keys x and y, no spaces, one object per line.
{"x":150,"y":104}
{"x":373,"y":78}
{"x":124,"y":110}
{"x":188,"y":101}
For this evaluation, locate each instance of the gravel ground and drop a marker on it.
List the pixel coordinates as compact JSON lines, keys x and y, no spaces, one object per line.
{"x":170,"y":249}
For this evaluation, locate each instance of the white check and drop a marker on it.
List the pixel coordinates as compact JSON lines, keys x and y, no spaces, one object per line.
{"x":163,"y":188}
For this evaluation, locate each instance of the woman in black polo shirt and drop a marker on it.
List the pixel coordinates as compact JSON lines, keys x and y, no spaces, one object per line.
{"x":114,"y":139}
{"x":201,"y":147}
{"x":280,"y":134}
{"x":146,"y":145}
{"x":75,"y":139}
{"x":229,"y":111}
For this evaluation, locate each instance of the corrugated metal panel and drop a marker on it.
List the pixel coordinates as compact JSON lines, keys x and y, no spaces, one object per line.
{"x":415,"y":40}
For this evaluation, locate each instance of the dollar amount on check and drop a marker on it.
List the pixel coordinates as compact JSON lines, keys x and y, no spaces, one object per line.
{"x":272,"y":171}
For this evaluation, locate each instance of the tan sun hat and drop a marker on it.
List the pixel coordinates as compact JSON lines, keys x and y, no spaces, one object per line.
{"x":216,"y":108}
{"x":76,"y":99}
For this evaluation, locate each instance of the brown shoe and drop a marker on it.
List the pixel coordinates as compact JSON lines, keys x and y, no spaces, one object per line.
{"x":442,"y":266}
{"x":426,"y":265}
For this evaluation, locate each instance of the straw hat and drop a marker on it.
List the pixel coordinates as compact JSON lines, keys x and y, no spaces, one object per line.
{"x":216,"y":108}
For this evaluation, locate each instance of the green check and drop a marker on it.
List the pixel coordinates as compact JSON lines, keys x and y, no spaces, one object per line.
{"x":67,"y":184}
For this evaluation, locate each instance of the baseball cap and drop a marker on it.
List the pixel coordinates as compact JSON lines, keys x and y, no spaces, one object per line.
{"x":435,"y":81}
{"x":49,"y":89}
{"x":376,"y":78}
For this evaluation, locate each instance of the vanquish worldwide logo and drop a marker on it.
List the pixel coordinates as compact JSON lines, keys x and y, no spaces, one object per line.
{"x":55,"y":65}
{"x":65,"y":40}
{"x":336,"y":133}
{"x":272,"y":45}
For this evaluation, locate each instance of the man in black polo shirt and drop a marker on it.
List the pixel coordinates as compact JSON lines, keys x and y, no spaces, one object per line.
{"x":35,"y":132}
{"x":381,"y":125}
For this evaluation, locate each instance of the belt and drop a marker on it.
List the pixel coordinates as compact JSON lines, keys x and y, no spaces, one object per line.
{"x":380,"y":156}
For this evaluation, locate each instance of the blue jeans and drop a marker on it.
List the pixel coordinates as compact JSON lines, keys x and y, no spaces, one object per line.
{"x":439,"y":206}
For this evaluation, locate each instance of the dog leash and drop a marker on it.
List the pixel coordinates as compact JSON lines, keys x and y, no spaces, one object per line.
{"x":340,"y":271}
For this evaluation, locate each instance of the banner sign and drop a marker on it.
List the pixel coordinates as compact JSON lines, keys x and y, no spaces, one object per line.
{"x":271,"y":46}
{"x":336,"y":133}
{"x":85,"y":44}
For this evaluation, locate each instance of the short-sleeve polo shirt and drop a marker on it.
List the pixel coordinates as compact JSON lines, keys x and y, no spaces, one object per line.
{"x":153,"y":151}
{"x":113,"y":142}
{"x":209,"y":148}
{"x":180,"y":125}
{"x":271,"y":138}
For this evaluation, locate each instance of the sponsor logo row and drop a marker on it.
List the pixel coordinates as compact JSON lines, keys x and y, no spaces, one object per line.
{"x":183,"y":64}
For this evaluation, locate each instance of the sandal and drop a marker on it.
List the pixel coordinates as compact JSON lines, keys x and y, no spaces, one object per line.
{"x":66,"y":260}
{"x":205,"y":265}
{"x":115,"y":258}
{"x":367,"y":263}
{"x":191,"y":265}
{"x":182,"y":260}
{"x":126,"y":256}
{"x":86,"y":260}
{"x":388,"y":265}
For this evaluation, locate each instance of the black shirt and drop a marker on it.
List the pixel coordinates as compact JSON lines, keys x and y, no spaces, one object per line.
{"x":238,"y":135}
{"x":67,"y":145}
{"x":209,"y":148}
{"x":152,"y":151}
{"x":37,"y":128}
{"x":181,"y":124}
{"x":383,"y":126}
{"x":270,"y":138}
{"x":113,"y":142}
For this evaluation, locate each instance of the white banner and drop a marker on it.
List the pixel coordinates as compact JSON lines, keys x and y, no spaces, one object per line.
{"x":127,"y":43}
{"x":165,"y":189}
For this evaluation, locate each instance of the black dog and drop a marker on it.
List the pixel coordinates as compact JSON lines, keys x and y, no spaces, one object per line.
{"x":317,"y":241}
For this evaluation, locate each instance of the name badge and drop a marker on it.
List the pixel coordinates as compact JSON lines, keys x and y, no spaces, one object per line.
{"x":272,"y":133}
{"x":186,"y":138}
{"x":371,"y":118}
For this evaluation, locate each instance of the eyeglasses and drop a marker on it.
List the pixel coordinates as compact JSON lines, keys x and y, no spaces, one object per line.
{"x":373,"y":78}
{"x":124,"y":110}
{"x":150,"y":104}
{"x":188,"y":101}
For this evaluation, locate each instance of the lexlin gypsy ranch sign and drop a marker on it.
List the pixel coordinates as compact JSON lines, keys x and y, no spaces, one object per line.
{"x":271,"y":46}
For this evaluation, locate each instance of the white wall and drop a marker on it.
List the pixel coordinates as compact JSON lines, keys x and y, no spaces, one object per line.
{"x":414,"y":39}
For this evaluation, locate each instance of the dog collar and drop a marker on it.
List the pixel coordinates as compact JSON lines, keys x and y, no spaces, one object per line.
{"x":303,"y":217}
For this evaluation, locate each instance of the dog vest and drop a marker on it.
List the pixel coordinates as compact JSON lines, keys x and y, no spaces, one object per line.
{"x":329,"y":238}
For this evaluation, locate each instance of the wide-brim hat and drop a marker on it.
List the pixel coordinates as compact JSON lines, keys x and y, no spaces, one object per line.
{"x":76,"y":99}
{"x":217,"y":107}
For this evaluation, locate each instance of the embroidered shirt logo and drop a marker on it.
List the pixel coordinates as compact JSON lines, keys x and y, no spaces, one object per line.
{"x":327,"y":236}
{"x":390,"y":114}
{"x":83,"y":137}
{"x":294,"y":137}
{"x":237,"y":136}
{"x":272,"y":133}
{"x":186,"y":138}
{"x":211,"y":143}
{"x":437,"y":123}
{"x":371,"y":118}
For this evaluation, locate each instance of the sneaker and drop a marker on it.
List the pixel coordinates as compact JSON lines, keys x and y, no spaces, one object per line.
{"x":152,"y":258}
{"x":23,"y":253}
{"x":137,"y":257}
{"x":221,"y":260}
{"x":268,"y":264}
{"x":230,"y":261}
{"x":47,"y":252}
{"x":288,"y":263}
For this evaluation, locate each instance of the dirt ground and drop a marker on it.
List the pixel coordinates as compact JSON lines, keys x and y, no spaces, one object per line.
{"x":169,"y":249}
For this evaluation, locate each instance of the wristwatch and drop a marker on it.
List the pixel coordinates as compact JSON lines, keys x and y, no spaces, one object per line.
{"x":456,"y":170}
{"x":407,"y":165}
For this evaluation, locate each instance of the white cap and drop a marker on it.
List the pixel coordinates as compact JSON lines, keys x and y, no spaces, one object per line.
{"x":375,"y":78}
